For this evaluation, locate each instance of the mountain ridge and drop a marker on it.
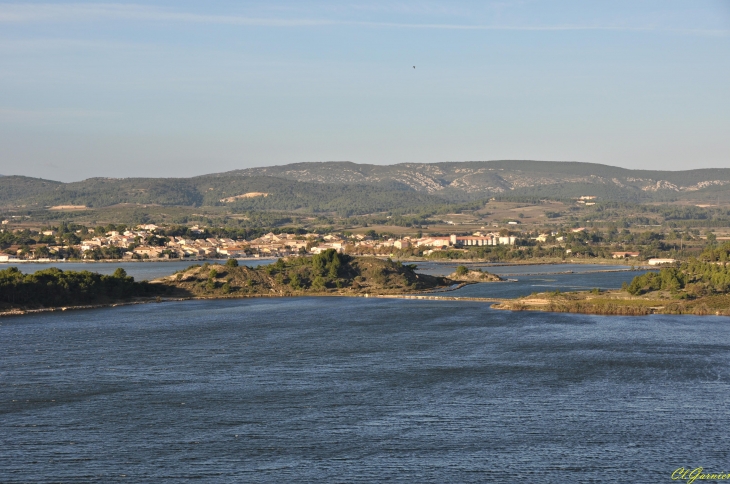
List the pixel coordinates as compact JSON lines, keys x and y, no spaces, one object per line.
{"x":473,"y":176}
{"x":352,"y":188}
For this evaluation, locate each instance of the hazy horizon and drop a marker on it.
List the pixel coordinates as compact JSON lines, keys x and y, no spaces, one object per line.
{"x":179,"y":89}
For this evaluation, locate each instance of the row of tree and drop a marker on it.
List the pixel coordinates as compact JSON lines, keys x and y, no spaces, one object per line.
{"x":53,"y":287}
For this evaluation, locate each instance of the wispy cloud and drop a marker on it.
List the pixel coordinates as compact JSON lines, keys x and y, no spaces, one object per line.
{"x":79,"y":12}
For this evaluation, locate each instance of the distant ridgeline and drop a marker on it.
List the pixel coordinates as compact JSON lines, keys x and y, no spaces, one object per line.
{"x":351,"y":189}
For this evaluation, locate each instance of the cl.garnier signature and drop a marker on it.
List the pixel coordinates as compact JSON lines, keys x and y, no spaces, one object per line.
{"x":691,"y":475}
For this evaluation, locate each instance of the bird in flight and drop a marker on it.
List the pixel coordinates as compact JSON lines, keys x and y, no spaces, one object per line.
{"x":414,"y":67}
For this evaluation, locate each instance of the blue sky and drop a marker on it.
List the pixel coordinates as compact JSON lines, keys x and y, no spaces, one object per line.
{"x":185,"y":88}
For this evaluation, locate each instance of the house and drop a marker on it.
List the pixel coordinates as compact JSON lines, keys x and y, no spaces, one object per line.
{"x":319,"y":249}
{"x":401,"y":244}
{"x":623,"y":255}
{"x":434,"y":242}
{"x":233,"y":251}
{"x":658,"y":262}
{"x":492,"y":239}
{"x":150,"y":252}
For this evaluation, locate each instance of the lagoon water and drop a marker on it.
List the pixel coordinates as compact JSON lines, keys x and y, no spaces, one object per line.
{"x":139,"y":270}
{"x":363,"y":390}
{"x":153,"y":269}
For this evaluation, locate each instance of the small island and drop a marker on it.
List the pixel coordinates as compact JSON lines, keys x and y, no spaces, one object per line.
{"x":328,"y":273}
{"x":464,"y":274}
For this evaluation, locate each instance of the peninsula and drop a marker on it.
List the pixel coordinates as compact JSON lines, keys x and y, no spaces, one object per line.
{"x":328,"y":273}
{"x":694,"y":287}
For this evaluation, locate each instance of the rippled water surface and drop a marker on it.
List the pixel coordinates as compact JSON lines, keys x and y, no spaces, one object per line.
{"x":362,"y":390}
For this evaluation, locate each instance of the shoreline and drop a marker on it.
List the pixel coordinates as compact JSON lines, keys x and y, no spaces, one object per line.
{"x":618,"y":303}
{"x":620,"y":307}
{"x":484,"y":263}
{"x":429,"y":294}
{"x":118,"y":261}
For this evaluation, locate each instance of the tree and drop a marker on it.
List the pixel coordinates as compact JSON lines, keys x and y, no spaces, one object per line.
{"x":231,"y":263}
{"x":295,"y":282}
{"x":462,"y":270}
{"x":711,"y":238}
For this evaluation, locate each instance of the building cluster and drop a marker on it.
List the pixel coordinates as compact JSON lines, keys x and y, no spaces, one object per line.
{"x":143,"y":242}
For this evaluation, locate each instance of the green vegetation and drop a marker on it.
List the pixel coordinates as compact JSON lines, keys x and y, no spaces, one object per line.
{"x":54,"y":287}
{"x":648,"y":213}
{"x":464,"y":274}
{"x":283,"y":195}
{"x":693,"y":287}
{"x":348,"y":189}
{"x":691,"y":280}
{"x":328,"y":272}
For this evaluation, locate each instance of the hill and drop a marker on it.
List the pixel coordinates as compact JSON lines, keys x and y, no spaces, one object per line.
{"x":322,"y":274}
{"x":350,"y":189}
{"x":504,"y":176}
{"x":281,"y":194}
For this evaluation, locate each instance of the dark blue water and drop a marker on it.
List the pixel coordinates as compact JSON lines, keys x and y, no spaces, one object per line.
{"x":360,"y":390}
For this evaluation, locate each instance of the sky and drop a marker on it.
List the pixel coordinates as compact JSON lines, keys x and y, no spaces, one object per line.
{"x":182,"y":88}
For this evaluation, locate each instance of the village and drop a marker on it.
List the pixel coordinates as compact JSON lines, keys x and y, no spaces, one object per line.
{"x":159,"y":243}
{"x":148,"y":242}
{"x":513,"y":232}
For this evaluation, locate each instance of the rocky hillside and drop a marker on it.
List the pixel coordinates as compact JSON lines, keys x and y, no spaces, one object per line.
{"x":349,"y":188}
{"x":494,"y":177}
